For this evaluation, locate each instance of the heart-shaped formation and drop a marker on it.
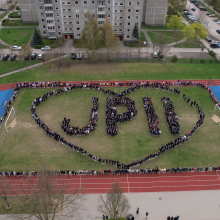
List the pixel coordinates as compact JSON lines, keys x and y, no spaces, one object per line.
{"x":112,"y":118}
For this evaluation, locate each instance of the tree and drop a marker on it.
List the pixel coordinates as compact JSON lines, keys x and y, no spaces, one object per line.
{"x":36,"y":38}
{"x":25,"y":50}
{"x":115,"y":204}
{"x":91,"y":36}
{"x":4,"y":191}
{"x":47,"y":195}
{"x":108,"y":38}
{"x":175,"y":22}
{"x":195,"y":31}
{"x":177,"y":4}
{"x":135,"y":33}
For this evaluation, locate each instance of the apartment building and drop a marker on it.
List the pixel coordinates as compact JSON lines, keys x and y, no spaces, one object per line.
{"x":66,"y":18}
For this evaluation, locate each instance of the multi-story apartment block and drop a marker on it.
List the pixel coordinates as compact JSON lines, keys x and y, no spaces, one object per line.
{"x":66,"y":18}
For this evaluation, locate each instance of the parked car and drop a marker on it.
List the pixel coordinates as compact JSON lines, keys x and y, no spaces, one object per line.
{"x":40,"y":56}
{"x":161,"y":55}
{"x":208,"y":13}
{"x":217,"y":42}
{"x":13,"y":57}
{"x":203,"y":9}
{"x":46,"y":48}
{"x":144,"y":43}
{"x":154,"y":54}
{"x":188,"y":13}
{"x":79,"y":55}
{"x":26,"y":56}
{"x":86,"y":55}
{"x":208,"y":39}
{"x":218,"y":31}
{"x":5,"y":57}
{"x":15,"y":48}
{"x":193,"y":9}
{"x":3,"y":9}
{"x":214,"y":45}
{"x":73,"y":56}
{"x":212,"y":15}
{"x":33,"y":56}
{"x":216,"y":20}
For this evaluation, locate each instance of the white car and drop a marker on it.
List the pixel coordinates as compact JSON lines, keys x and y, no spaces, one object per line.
{"x":79,"y":55}
{"x":40,"y":56}
{"x":86,"y":55}
{"x":154,"y":54}
{"x":46,"y":48}
{"x":16,"y":48}
{"x":218,"y":22}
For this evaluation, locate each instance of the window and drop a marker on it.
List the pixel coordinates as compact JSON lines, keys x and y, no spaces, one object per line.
{"x":116,"y":3}
{"x":57,"y":14}
{"x":137,"y":11}
{"x":85,"y":2}
{"x":78,"y":35}
{"x":55,"y":1}
{"x":136,"y":23}
{"x":44,"y":32}
{"x":49,"y":15}
{"x":93,"y":15}
{"x":86,"y":16}
{"x":115,"y":10}
{"x":93,"y":9}
{"x":109,"y":9}
{"x":115,"y":29}
{"x":121,"y":17}
{"x":86,"y":22}
{"x":50,"y":21}
{"x":42,"y":14}
{"x":128,"y":36}
{"x":42,"y":20}
{"x":69,"y":16}
{"x":48,"y":8}
{"x":50,"y":27}
{"x":76,"y":2}
{"x":58,"y":27}
{"x":121,"y":10}
{"x":93,"y":2}
{"x":129,"y":3}
{"x":101,"y":22}
{"x":109,"y":2}
{"x":40,"y":1}
{"x":69,"y":9}
{"x":129,"y":10}
{"x":70,"y":22}
{"x":44,"y":26}
{"x":77,"y":16}
{"x":57,"y":8}
{"x":64,"y":16}
{"x":115,"y":24}
{"x":120,"y":30}
{"x":121,"y":4}
{"x":41,"y":7}
{"x":76,"y":9}
{"x":77,"y":22}
{"x":128,"y":30}
{"x":78,"y":29}
{"x":58,"y":21}
{"x":120,"y":23}
{"x":109,"y":15}
{"x":66,"y":29}
{"x":63,"y":3}
{"x":85,"y":9}
{"x":136,"y":17}
{"x":64,"y":9}
{"x":71,"y":29}
{"x":68,"y":3}
{"x":138,"y":3}
{"x":47,"y":1}
{"x":59,"y":33}
{"x":64,"y":22}
{"x":129,"y":23}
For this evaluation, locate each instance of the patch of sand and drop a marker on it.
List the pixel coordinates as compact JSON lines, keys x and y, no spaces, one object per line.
{"x":13,"y":123}
{"x":215,"y":118}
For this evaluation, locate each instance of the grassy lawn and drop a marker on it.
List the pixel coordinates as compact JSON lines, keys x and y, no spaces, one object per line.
{"x":8,"y":66}
{"x":143,"y":26}
{"x":18,"y":23}
{"x":155,"y":35}
{"x":16,"y":36}
{"x":117,"y":71}
{"x":52,"y":43}
{"x":187,"y":45}
{"x":14,"y":15}
{"x":143,"y":38}
{"x":30,"y":146}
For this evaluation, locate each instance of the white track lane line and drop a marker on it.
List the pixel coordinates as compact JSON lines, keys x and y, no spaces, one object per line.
{"x":128,"y":184}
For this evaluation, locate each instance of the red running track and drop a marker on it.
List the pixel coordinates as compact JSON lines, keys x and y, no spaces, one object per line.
{"x":214,"y":82}
{"x":134,"y":183}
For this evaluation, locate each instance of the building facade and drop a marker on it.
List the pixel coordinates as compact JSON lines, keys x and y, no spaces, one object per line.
{"x":66,"y":18}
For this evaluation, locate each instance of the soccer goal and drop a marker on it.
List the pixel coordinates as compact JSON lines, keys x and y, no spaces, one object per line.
{"x":8,"y":118}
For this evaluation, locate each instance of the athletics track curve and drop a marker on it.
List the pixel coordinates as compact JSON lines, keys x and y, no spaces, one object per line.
{"x":131,"y":183}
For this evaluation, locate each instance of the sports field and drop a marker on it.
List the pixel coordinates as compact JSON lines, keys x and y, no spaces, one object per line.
{"x":26,"y":146}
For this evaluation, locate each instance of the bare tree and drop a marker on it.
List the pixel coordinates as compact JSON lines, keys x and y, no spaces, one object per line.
{"x":201,"y":17}
{"x":47,"y":195}
{"x":139,"y":47}
{"x":162,"y":46}
{"x":5,"y":191}
{"x":25,"y":50}
{"x":115,"y":204}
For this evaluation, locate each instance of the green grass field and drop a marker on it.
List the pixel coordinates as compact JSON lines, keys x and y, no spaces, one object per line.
{"x":143,"y":26}
{"x":30,"y":146}
{"x":187,"y":45}
{"x":8,"y":66}
{"x":16,"y":36}
{"x":117,"y":71}
{"x":18,"y":23}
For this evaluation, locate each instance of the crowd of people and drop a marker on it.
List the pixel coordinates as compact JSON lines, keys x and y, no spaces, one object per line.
{"x":81,"y":130}
{"x":173,"y":218}
{"x":171,"y":116}
{"x":152,"y":117}
{"x":112,"y":118}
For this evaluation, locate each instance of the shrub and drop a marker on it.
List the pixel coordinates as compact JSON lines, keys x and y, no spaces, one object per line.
{"x":17,"y":8}
{"x":202,"y":61}
{"x":191,"y":60}
{"x":37,"y":46}
{"x":212,"y":53}
{"x":174,"y":59}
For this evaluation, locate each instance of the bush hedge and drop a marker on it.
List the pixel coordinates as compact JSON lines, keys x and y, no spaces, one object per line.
{"x":17,"y":8}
